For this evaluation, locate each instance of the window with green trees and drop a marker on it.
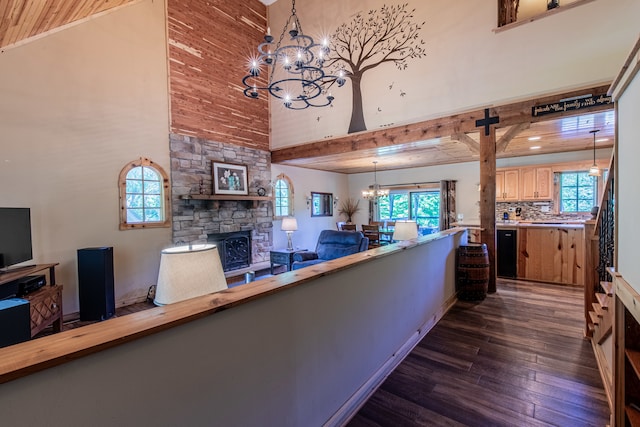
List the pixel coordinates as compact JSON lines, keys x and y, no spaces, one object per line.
{"x":578,"y":192}
{"x":421,"y":206}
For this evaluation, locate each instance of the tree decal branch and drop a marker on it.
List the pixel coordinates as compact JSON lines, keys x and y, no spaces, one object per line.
{"x":380,"y":36}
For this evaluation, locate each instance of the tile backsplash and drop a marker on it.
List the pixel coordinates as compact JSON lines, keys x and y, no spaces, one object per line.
{"x":534,"y":211}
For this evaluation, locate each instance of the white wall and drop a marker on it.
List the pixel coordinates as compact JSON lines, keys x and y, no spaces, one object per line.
{"x":628,"y":174}
{"x":304,"y":182}
{"x":467,"y":65}
{"x":292,"y":358}
{"x":76,"y":107}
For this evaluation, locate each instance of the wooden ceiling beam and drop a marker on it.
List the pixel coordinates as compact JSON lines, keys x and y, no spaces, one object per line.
{"x":473,"y":145}
{"x":503,"y":142}
{"x":510,"y":115}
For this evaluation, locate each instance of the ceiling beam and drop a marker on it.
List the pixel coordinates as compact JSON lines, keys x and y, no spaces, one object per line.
{"x":468,"y":141}
{"x":510,"y":115}
{"x":503,"y":142}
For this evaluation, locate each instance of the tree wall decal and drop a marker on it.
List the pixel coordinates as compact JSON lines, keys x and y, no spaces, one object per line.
{"x":372,"y":39}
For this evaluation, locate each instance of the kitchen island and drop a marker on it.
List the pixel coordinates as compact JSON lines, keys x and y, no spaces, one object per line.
{"x":549,"y":251}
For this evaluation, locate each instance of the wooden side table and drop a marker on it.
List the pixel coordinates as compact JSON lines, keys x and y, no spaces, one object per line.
{"x":282,"y":257}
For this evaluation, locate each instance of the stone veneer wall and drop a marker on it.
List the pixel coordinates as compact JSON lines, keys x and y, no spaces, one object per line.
{"x":191,"y":173}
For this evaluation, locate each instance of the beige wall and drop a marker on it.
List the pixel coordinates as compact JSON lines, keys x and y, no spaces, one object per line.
{"x":293,"y":358}
{"x":628,"y":196}
{"x":467,"y":65}
{"x":76,"y":107}
{"x":304,"y":182}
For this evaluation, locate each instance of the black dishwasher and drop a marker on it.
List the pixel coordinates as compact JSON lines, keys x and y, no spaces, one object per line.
{"x":507,"y":250}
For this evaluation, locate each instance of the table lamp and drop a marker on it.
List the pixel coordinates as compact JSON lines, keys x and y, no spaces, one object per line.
{"x":289,"y":225}
{"x":405,"y":230}
{"x":188,"y":272}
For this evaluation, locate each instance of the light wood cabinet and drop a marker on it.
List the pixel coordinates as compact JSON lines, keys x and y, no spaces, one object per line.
{"x":536,"y":183}
{"x":551,"y":254}
{"x":507,"y":185}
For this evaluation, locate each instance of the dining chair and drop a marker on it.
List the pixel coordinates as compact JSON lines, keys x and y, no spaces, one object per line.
{"x":348,"y":227}
{"x":387,"y":236}
{"x":373,"y":233}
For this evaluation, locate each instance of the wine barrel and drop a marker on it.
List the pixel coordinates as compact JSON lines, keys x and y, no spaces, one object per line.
{"x":472,"y":272}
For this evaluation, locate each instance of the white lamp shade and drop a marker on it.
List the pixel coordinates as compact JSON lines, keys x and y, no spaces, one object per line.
{"x":188,"y":272}
{"x":405,"y":230}
{"x":289,"y":224}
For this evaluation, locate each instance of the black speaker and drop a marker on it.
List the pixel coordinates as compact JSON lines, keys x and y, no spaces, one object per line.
{"x":95,"y":283}
{"x":15,"y":321}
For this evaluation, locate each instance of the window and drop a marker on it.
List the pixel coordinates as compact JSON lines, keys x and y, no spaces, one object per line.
{"x":144,"y":199}
{"x":578,"y":191}
{"x":422,"y":206}
{"x":283,"y":189}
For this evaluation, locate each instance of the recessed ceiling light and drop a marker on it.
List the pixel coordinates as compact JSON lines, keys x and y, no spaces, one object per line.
{"x":602,"y":140}
{"x":535,"y":147}
{"x":534,"y":138}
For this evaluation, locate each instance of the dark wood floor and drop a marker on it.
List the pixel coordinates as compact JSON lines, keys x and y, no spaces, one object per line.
{"x":518,"y":358}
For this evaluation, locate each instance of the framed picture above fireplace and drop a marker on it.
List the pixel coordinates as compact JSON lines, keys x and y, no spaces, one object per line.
{"x":229,"y":178}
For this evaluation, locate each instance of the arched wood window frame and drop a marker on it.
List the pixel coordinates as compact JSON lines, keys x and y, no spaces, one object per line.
{"x":289,"y":196}
{"x":165,"y":196}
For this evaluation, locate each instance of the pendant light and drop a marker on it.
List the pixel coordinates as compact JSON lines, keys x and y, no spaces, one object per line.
{"x":374,"y":192}
{"x":594,"y":170}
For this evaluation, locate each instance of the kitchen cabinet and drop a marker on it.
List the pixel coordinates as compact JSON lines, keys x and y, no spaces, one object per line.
{"x":507,"y":185}
{"x":551,"y":253}
{"x":536,"y":183}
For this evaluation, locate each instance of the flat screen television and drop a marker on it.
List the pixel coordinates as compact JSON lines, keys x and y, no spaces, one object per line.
{"x":15,"y":236}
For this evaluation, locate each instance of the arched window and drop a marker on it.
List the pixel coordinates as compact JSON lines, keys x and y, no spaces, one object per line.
{"x":144,"y":195}
{"x":283,"y":195}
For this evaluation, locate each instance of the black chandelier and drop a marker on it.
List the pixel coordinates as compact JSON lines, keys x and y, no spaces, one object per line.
{"x":295,"y":69}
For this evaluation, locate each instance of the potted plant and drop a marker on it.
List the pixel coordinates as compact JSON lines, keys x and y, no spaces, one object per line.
{"x":349,"y":207}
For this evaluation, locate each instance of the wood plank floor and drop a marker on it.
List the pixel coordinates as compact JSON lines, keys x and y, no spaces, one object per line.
{"x":518,"y":358}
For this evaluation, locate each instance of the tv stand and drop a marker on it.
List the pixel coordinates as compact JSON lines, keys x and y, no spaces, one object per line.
{"x":45,"y":303}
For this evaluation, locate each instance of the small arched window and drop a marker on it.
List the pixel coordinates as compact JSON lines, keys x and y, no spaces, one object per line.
{"x":144,"y":195}
{"x":283,"y":189}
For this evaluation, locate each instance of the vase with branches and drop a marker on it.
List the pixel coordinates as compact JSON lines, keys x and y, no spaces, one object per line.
{"x":349,"y":207}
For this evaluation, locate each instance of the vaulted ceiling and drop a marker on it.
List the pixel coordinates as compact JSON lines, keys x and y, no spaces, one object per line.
{"x":21,"y":20}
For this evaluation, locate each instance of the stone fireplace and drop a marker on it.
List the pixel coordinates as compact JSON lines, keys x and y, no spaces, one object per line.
{"x":234,"y":249}
{"x":199,"y":221}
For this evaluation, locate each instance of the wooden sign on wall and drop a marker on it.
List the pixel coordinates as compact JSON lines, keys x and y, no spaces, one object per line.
{"x":570,"y":105}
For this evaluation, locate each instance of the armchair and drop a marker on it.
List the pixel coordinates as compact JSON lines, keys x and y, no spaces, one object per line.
{"x":331,"y":244}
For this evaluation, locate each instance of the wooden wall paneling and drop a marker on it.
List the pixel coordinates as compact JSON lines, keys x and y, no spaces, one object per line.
{"x":209,"y":48}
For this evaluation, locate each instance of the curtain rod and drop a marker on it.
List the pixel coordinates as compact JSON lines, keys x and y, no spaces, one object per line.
{"x":416,"y":184}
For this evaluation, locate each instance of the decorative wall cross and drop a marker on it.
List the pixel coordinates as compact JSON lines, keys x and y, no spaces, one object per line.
{"x":487,"y":121}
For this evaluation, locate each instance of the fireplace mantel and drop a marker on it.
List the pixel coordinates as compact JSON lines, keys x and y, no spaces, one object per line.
{"x":216,"y":198}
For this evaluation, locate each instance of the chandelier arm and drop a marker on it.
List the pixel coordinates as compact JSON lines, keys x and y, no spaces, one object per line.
{"x":301,"y":61}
